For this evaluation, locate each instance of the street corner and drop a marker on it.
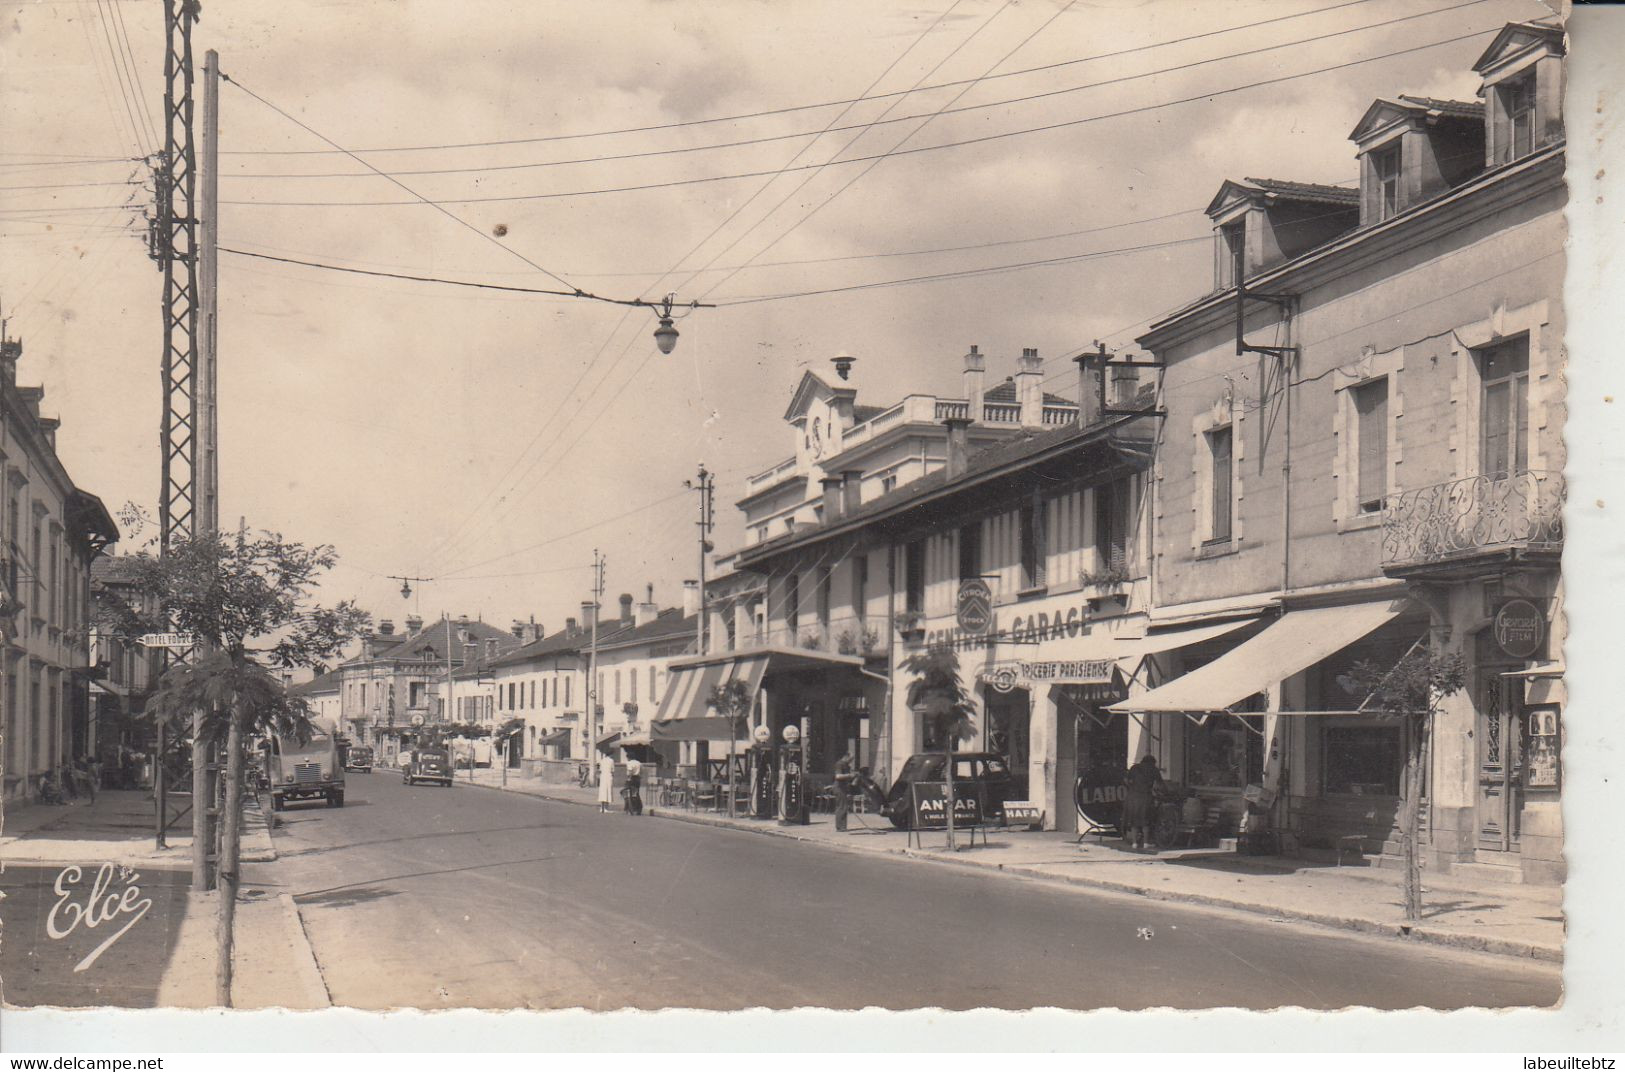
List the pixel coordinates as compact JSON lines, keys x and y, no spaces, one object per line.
{"x":98,"y":933}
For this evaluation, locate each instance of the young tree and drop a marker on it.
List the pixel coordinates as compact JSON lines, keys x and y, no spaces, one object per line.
{"x":732,"y":699}
{"x":939,"y":696}
{"x":249,"y":601}
{"x":1410,"y":692}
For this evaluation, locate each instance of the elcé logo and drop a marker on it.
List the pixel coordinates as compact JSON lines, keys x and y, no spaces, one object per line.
{"x":100,"y":904}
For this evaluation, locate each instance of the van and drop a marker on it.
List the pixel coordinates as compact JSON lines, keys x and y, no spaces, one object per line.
{"x":304,"y":771}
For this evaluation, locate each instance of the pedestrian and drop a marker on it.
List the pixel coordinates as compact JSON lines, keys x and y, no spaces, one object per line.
{"x":1142,"y":782}
{"x":606,"y":782}
{"x":634,"y":783}
{"x":843,"y":789}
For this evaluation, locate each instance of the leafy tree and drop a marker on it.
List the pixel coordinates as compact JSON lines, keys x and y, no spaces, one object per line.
{"x":732,"y":699}
{"x":939,"y":695}
{"x":1410,"y":692}
{"x":249,"y":600}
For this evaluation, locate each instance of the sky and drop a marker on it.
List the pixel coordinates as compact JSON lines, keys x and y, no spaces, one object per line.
{"x":490,"y":441}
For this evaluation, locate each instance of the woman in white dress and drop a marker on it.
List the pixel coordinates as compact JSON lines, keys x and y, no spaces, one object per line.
{"x":606,"y":782}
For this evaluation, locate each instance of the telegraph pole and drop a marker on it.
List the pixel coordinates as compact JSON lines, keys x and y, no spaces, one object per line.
{"x":706,"y":486}
{"x":590,"y":723}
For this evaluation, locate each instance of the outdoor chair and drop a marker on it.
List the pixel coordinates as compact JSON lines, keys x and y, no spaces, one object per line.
{"x":704,"y":795}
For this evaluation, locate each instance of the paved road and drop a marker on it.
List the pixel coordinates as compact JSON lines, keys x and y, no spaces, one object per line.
{"x":432,"y":898}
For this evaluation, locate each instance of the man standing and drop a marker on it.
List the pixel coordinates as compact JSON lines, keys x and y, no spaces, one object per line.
{"x":843,"y":788}
{"x":1141,"y":784}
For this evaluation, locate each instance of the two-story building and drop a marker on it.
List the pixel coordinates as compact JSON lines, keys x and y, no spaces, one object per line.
{"x":1362,"y":453}
{"x":52,"y":533}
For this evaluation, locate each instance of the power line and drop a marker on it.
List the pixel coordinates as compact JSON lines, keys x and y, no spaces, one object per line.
{"x":799,"y":107}
{"x":980,"y":140}
{"x":575,"y":292}
{"x":123,"y":33}
{"x":831,"y":129}
{"x":450,"y":575}
{"x":127,"y":89}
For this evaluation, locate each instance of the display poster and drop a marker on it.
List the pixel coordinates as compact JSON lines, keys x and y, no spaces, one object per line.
{"x":928,"y":810}
{"x":1541,"y":766}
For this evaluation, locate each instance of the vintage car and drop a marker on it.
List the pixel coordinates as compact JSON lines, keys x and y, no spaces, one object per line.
{"x":985,"y":768}
{"x":303,"y":770}
{"x":428,"y":765}
{"x":358,"y":758}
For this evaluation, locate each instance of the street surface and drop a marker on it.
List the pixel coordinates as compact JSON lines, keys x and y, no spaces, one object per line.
{"x":430,"y":897}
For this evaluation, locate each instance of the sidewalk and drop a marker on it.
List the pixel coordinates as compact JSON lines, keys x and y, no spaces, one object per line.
{"x":164,"y":953}
{"x":1524,"y":921}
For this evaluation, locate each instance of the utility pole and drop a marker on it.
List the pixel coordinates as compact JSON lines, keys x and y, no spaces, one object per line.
{"x":590,"y":722}
{"x":706,"y":486}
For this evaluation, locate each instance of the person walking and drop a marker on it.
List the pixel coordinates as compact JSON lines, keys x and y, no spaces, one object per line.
{"x":843,"y":789}
{"x":634,"y":785}
{"x":1141,"y":784}
{"x":606,"y":782}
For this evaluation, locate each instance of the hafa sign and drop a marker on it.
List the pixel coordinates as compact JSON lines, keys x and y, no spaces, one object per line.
{"x":974,"y":610}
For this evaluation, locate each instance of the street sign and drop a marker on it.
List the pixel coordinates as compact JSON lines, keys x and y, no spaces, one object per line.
{"x":975,"y":606}
{"x":168,"y":640}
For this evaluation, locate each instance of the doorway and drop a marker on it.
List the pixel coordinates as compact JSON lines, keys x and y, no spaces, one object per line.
{"x":1502,"y":734}
{"x":1090,"y":779}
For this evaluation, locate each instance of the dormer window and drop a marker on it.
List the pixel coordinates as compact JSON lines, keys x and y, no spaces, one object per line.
{"x":1385,"y":177}
{"x":1231,"y":248}
{"x":1523,"y":90}
{"x":1518,"y":103}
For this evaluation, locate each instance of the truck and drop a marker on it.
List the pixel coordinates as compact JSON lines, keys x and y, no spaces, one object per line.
{"x":303,"y":771}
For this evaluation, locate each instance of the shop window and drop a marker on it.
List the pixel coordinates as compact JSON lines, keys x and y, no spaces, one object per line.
{"x":1221,"y":457}
{"x":1504,"y":417}
{"x":1224,"y":752}
{"x":1364,"y":760}
{"x":914,"y":576}
{"x":1371,"y":444}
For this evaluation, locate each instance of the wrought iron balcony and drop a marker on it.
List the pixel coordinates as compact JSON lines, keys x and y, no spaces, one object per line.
{"x":1460,"y":520}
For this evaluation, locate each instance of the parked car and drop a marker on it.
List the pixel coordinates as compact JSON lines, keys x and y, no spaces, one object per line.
{"x":988,"y":769}
{"x":428,"y":765}
{"x":359,"y":758}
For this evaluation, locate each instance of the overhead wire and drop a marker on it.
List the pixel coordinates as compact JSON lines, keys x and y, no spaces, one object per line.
{"x":882,"y":121}
{"x":866,"y":96}
{"x":938,"y":147}
{"x":127,"y":91}
{"x":122,"y":32}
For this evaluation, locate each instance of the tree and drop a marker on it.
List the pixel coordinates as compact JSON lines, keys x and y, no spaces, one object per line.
{"x":1410,"y":692}
{"x":732,"y":699}
{"x":249,"y":602}
{"x":938,"y":694}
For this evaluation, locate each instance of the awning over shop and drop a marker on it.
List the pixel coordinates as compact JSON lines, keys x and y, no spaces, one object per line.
{"x":1169,"y":639}
{"x":612,"y":741}
{"x":1294,"y":642}
{"x":689,"y":729}
{"x":553,"y":737}
{"x":633,"y":740}
{"x":689,"y":689}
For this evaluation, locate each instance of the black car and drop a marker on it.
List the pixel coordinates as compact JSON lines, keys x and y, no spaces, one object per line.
{"x":429,"y":765}
{"x":985,"y":768}
{"x":358,"y":758}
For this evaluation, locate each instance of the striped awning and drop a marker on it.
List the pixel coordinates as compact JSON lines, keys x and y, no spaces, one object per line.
{"x":689,"y":688}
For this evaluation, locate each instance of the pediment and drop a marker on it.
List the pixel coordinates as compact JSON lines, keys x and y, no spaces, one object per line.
{"x":1231,"y":194}
{"x":1382,"y":113}
{"x":1517,"y":38}
{"x":810,"y":390}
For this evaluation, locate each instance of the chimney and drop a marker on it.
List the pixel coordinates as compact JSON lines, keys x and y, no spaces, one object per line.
{"x":589,"y":614}
{"x":832,"y":499}
{"x":47,"y":428}
{"x":1090,"y":369}
{"x":1030,"y":388}
{"x":1125,"y":385}
{"x":851,"y":491}
{"x":974,"y":376}
{"x":517,"y":629}
{"x":958,"y":445}
{"x":533,"y":631}
{"x":691,"y":598}
{"x":647,"y":610}
{"x":386,"y":627}
{"x":569,"y":625}
{"x":626,"y":606}
{"x":414,"y":625}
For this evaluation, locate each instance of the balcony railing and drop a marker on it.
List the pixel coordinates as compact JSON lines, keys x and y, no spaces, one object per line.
{"x":1475,"y":515}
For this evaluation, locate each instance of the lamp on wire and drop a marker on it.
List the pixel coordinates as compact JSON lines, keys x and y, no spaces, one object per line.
{"x":666,"y":334}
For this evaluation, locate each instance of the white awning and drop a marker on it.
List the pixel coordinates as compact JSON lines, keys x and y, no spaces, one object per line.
{"x":1295,"y":641}
{"x":1169,"y":639}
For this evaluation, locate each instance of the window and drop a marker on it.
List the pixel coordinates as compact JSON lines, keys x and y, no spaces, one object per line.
{"x":566,"y":692}
{"x":1504,"y":372}
{"x":1224,"y":752}
{"x":1111,"y":526}
{"x":970,"y":551}
{"x":1032,"y":544}
{"x":632,"y":683}
{"x":914,"y":576}
{"x":860,"y":586}
{"x":823,"y":597}
{"x":1231,"y":246}
{"x":1371,"y":445}
{"x":1219,"y":451}
{"x":888,"y":483}
{"x":1518,"y":102}
{"x":1385,"y":178}
{"x":1363,"y":760}
{"x":792,"y":602}
{"x":654,"y":694}
{"x":415,"y":694}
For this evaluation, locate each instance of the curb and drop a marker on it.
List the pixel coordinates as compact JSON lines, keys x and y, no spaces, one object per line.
{"x":308,"y":971}
{"x":256,"y":833}
{"x":1421,"y":934}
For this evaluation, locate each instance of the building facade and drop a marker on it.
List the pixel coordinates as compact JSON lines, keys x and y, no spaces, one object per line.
{"x":52,"y":533}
